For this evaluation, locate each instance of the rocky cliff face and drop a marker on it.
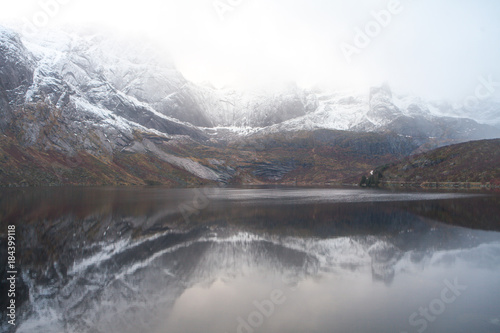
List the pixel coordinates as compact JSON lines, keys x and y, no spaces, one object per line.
{"x":16,"y":74}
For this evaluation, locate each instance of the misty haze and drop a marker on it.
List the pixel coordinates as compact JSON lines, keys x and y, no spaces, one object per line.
{"x":249,"y":166}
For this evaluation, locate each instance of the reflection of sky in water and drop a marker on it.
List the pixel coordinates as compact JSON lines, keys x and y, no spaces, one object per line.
{"x":339,"y":304}
{"x":350,"y":299}
{"x":340,"y":267}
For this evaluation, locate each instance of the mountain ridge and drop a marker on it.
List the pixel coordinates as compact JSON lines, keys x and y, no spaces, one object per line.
{"x":126,"y":115}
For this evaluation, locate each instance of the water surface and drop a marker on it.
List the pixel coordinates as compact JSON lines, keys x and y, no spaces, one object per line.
{"x":255,"y":260}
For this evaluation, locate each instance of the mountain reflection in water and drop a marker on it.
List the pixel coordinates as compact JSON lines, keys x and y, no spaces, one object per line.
{"x":199,"y":260}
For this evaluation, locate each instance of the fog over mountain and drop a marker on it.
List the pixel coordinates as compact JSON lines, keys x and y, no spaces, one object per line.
{"x":103,"y":73}
{"x":434,"y":50}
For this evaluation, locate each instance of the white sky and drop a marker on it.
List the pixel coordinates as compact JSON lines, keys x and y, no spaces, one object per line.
{"x":433,"y":48}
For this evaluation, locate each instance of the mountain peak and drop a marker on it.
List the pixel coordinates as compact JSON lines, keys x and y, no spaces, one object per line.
{"x":383,"y":90}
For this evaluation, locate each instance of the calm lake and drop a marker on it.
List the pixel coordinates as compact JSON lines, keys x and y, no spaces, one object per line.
{"x":150,"y":259}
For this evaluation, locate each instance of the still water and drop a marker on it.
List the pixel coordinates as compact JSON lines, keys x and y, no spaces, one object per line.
{"x":158,"y":260}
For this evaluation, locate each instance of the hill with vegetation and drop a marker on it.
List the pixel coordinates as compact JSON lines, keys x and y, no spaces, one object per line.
{"x":470,"y":164}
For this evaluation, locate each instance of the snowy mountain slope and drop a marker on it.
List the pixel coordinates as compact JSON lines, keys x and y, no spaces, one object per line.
{"x":383,"y":112}
{"x":294,"y":109}
{"x":56,"y":100}
{"x":107,"y":75}
{"x":16,"y":73}
{"x":127,"y":74}
{"x":232,"y":108}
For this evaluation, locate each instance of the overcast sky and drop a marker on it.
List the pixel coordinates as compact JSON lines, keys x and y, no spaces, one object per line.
{"x":433,"y":48}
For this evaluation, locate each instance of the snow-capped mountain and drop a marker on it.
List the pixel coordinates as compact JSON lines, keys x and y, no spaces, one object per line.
{"x":80,"y":92}
{"x":294,"y":109}
{"x":103,"y":74}
{"x":62,"y":94}
{"x":108,"y":75}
